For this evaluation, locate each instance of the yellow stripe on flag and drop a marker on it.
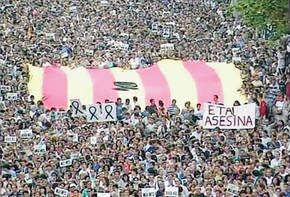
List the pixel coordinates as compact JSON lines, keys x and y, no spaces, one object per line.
{"x":130,"y":76}
{"x":35,"y":82}
{"x":79,"y":85}
{"x":231,"y":81}
{"x":181,"y":83}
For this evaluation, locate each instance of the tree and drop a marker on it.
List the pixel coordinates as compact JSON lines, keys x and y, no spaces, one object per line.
{"x":264,"y":13}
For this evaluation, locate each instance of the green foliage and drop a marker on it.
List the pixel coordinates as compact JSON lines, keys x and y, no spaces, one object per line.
{"x":262,"y":13}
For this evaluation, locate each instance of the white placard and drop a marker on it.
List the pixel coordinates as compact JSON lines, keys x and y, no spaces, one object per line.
{"x":171,"y":191}
{"x":12,"y":96}
{"x":5,"y":88}
{"x":60,"y":192}
{"x":166,"y":32}
{"x":167,"y":47}
{"x":50,"y":36}
{"x":26,"y":134}
{"x":148,"y":192}
{"x":40,"y":149}
{"x":75,"y":137}
{"x":93,"y":140}
{"x":65,"y":163}
{"x":89,"y":52}
{"x":233,"y":189}
{"x":237,"y":117}
{"x":10,"y":139}
{"x":155,"y":27}
{"x":101,"y":112}
{"x":77,"y":110}
{"x":103,"y":195}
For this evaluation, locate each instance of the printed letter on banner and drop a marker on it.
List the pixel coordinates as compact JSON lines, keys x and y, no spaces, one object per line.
{"x":232,"y":117}
{"x":171,"y":191}
{"x":148,"y":192}
{"x":77,"y":110}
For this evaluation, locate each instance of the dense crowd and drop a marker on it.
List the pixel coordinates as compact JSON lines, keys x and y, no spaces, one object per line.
{"x":156,"y":147}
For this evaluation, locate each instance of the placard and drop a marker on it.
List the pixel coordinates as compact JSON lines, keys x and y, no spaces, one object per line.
{"x":171,"y":191}
{"x":101,"y":112}
{"x":5,"y":88}
{"x":236,"y":117}
{"x":10,"y":139}
{"x":26,"y":134}
{"x":75,"y":137}
{"x":103,"y":195}
{"x":40,"y":149}
{"x":93,"y":140}
{"x":148,"y":192}
{"x":60,"y":192}
{"x":167,"y":47}
{"x":233,"y":189}
{"x":77,"y":110}
{"x":65,"y":163}
{"x":12,"y":96}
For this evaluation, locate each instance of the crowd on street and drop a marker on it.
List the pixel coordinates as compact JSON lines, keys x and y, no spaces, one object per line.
{"x":156,"y":147}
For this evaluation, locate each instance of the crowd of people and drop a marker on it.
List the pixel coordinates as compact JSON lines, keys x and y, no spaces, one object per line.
{"x":155,"y":147}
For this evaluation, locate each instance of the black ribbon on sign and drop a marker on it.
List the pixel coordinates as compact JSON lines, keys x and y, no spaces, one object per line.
{"x":109,"y":109}
{"x":93,"y":111}
{"x":76,"y":105}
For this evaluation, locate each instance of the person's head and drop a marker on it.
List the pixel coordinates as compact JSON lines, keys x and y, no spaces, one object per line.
{"x":215,"y":98}
{"x":135,"y":99}
{"x":173,"y":102}
{"x":127,"y":101}
{"x":119,"y":100}
{"x":198,"y":106}
{"x":152,"y":101}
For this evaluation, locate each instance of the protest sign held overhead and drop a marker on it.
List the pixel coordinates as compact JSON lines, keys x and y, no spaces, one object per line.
{"x":76,"y":108}
{"x":237,"y":117}
{"x":148,"y":192}
{"x":101,"y":112}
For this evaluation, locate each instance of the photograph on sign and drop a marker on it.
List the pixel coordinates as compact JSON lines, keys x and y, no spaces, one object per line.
{"x":40,"y":149}
{"x":233,"y":189}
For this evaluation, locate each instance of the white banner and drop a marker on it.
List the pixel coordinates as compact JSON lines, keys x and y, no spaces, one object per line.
{"x":237,"y":117}
{"x":10,"y":139}
{"x":26,"y":134}
{"x":76,"y":108}
{"x":103,"y":195}
{"x":148,"y":192}
{"x":233,"y":189}
{"x":12,"y":96}
{"x":65,"y":163}
{"x":171,"y":191}
{"x":101,"y":113}
{"x":40,"y":149}
{"x":60,"y":192}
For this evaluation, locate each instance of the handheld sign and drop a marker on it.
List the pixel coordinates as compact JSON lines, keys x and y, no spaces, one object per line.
{"x":148,"y":192}
{"x":76,"y":108}
{"x":237,"y":117}
{"x":233,"y":189}
{"x":109,"y":112}
{"x":171,"y":191}
{"x":65,"y":163}
{"x":40,"y":149}
{"x":75,"y":137}
{"x":94,"y":113}
{"x":26,"y":134}
{"x":5,"y":88}
{"x":60,"y":192}
{"x":93,"y":140}
{"x":103,"y":195}
{"x":12,"y":96}
{"x":10,"y":139}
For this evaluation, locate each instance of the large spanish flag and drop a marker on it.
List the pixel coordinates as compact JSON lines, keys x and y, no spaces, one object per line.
{"x":194,"y":81}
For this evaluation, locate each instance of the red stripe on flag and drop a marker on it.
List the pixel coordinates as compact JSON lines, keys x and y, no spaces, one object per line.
{"x":155,"y":85}
{"x":54,"y":88}
{"x":207,"y":81}
{"x":103,"y":84}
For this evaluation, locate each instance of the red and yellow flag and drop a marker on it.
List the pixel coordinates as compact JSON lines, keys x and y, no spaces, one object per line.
{"x":194,"y":81}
